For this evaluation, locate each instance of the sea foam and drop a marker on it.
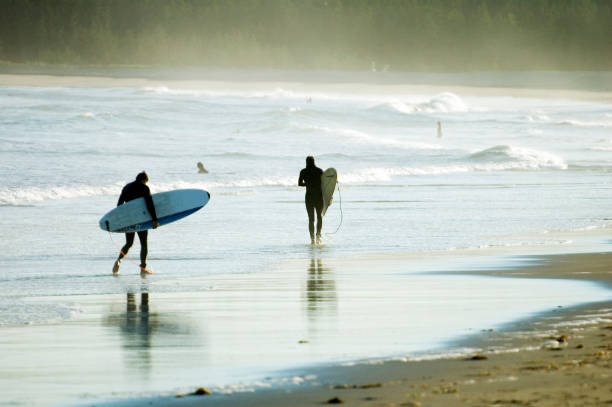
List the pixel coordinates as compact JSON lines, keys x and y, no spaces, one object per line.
{"x":508,"y":157}
{"x":442,"y":103}
{"x":497,"y":158}
{"x":365,"y":138}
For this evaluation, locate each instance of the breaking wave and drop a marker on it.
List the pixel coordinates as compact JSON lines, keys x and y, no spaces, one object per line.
{"x":24,"y":196}
{"x":362,"y":137}
{"x":498,"y":158}
{"x":443,"y":103}
{"x":507,"y":157}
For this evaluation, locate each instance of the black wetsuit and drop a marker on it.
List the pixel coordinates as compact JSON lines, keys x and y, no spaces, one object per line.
{"x":131,"y":191}
{"x":310,"y":177}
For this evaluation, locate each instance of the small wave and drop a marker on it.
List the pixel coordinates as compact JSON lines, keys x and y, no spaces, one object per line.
{"x":591,"y":167}
{"x":164,"y":90}
{"x":507,"y":157}
{"x":276,"y":93}
{"x":602,"y":145}
{"x":537,"y":118}
{"x":579,"y":123}
{"x":381,"y":174}
{"x":369,"y":139}
{"x":498,"y":158}
{"x":443,"y":103}
{"x":23,"y":196}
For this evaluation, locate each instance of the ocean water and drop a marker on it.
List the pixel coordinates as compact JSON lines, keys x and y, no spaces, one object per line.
{"x":507,"y":172}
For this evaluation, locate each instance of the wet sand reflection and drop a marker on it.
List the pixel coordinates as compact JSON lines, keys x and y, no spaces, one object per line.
{"x":320,"y":289}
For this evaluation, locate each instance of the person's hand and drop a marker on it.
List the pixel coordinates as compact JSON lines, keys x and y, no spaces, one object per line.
{"x":155,"y":224}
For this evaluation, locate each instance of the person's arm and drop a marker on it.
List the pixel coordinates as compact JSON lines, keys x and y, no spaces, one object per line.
{"x":121,"y":197}
{"x":151,"y":207}
{"x":301,"y":180}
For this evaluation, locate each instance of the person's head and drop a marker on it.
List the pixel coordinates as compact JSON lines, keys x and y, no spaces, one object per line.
{"x":310,"y":161}
{"x":200,"y":165}
{"x":142,"y":177}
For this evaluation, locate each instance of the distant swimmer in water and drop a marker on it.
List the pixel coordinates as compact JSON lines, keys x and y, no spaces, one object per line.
{"x":201,"y":168}
{"x":134,"y":190}
{"x":310,"y":177}
{"x":439,"y":129}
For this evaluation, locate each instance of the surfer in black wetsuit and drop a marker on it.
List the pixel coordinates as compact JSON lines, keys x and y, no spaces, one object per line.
{"x":133,"y":190}
{"x":310,"y":177}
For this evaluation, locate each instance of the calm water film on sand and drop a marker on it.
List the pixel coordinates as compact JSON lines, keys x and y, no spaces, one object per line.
{"x":239,"y":299}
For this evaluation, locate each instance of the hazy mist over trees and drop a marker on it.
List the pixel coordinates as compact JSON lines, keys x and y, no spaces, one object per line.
{"x":399,"y":35}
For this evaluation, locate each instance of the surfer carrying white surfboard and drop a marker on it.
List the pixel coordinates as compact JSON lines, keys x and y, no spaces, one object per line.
{"x":133,"y":190}
{"x":310,"y":177}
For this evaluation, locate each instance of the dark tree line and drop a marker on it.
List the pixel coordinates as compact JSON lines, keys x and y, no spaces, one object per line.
{"x":406,"y":35}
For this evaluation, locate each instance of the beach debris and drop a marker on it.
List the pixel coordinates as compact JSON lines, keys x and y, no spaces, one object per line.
{"x":445,"y":390}
{"x":553,"y":344}
{"x":358,"y":386}
{"x":540,"y":365}
{"x":335,"y":400}
{"x":477,"y":356}
{"x":579,"y":346}
{"x":302,"y":341}
{"x":370,"y":385}
{"x":201,"y":392}
{"x":512,"y":402}
{"x":602,"y":355}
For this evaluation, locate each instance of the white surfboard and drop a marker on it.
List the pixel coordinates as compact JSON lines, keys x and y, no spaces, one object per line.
{"x":133,"y":216}
{"x":329,"y":178}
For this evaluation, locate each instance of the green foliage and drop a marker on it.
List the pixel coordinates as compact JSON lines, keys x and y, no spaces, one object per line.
{"x":407,"y":35}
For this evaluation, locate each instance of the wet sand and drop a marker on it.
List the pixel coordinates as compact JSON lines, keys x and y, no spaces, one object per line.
{"x":560,"y":358}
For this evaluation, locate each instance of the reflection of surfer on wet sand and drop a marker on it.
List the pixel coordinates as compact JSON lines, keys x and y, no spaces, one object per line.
{"x":320,"y":287}
{"x":131,"y":302}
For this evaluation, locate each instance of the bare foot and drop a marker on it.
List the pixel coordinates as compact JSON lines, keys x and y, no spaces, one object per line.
{"x":145,"y":271}
{"x":116,"y":267}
